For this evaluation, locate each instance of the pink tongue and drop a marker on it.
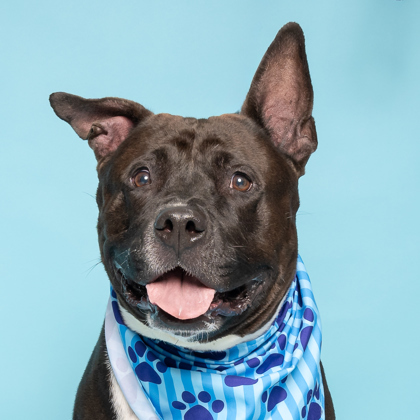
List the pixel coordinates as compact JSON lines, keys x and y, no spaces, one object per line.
{"x":180,"y":295}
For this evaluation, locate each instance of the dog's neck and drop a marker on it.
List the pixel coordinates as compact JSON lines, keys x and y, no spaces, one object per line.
{"x":166,"y":379}
{"x":216,"y":345}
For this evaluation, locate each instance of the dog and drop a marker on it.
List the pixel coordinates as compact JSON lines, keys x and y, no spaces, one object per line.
{"x":197,"y":233}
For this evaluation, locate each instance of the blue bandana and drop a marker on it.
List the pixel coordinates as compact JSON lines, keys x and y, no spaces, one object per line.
{"x":276,"y":376}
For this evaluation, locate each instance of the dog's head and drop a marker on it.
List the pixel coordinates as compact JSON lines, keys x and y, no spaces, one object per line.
{"x":197,"y":216}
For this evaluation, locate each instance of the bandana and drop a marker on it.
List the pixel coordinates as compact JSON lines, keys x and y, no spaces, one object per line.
{"x":276,"y":376}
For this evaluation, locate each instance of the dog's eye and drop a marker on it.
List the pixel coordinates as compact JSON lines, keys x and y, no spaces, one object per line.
{"x":141,"y":178}
{"x":240,"y":182}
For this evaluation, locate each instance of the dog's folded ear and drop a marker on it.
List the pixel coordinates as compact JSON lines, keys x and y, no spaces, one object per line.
{"x":280,"y":98}
{"x":105,"y":123}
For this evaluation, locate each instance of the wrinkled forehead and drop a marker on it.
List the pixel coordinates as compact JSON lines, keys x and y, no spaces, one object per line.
{"x":229,"y":139}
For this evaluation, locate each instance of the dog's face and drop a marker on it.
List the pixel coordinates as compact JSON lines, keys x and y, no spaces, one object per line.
{"x":197,"y":217}
{"x":211,"y":200}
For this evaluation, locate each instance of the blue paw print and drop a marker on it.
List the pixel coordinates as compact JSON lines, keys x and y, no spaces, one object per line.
{"x":315,"y":411}
{"x":198,"y":412}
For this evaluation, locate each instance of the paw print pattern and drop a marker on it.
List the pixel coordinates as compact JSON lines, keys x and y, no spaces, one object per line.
{"x":313,"y":406}
{"x":276,"y":396}
{"x":145,"y":371}
{"x":198,"y":411}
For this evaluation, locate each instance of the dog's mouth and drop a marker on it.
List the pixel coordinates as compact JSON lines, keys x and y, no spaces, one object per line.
{"x":180,"y":298}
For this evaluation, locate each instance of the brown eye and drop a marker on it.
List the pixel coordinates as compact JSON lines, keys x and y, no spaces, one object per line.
{"x":240,"y":182}
{"x":141,"y":178}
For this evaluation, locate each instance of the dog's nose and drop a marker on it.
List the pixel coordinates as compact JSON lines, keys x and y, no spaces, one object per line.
{"x":180,"y":227}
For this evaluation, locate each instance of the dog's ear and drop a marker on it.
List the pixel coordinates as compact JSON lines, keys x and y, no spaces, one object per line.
{"x":105,"y":123}
{"x":280,"y":98}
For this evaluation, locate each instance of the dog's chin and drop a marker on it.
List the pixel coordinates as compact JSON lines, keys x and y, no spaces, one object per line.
{"x":226,"y":309}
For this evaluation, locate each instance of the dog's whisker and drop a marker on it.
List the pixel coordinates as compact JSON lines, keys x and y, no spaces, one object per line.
{"x":93,"y":259}
{"x":89,"y":270}
{"x":90,"y":195}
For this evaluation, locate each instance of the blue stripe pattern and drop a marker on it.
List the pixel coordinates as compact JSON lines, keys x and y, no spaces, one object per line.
{"x":276,"y":376}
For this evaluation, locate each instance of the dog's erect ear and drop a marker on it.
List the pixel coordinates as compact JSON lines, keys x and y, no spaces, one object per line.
{"x":280,"y":98}
{"x":105,"y":123}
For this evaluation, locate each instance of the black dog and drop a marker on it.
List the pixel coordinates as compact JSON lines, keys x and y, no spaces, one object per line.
{"x":208,"y":202}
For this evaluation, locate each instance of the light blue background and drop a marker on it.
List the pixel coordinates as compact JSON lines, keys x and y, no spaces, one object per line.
{"x":359,"y":218}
